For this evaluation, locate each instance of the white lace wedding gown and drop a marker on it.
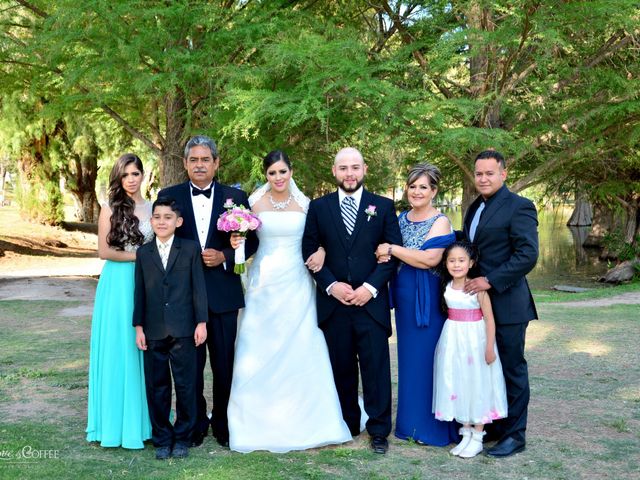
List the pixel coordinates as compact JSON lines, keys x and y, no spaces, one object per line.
{"x":283,"y":396}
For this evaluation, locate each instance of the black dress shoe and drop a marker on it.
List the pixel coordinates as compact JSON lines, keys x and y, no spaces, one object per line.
{"x":163,"y":453}
{"x":505,"y":447}
{"x":223,"y":442}
{"x":379,"y":444}
{"x":197,"y":438}
{"x":180,"y":451}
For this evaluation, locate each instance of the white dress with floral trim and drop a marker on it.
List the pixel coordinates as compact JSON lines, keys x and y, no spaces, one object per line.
{"x":465,"y":387}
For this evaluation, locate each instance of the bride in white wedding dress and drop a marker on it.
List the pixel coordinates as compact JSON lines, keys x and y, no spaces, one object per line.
{"x":283,"y":396}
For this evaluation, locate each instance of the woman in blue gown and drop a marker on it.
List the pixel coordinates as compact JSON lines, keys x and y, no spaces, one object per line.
{"x":416,"y":297}
{"x":117,"y":406}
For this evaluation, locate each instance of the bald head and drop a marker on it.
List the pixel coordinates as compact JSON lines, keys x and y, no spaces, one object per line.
{"x":350,"y":154}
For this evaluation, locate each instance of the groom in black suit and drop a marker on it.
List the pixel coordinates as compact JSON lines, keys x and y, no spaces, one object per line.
{"x":201,"y":201}
{"x":504,"y":226}
{"x":352,"y":295}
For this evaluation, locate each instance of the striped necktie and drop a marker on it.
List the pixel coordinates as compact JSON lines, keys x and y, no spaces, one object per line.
{"x":349,"y":212}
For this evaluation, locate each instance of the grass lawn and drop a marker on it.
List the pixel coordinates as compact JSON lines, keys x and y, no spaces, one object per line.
{"x":584,"y":416}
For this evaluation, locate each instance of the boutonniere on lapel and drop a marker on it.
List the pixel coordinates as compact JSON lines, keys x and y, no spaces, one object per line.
{"x":228,"y":204}
{"x":371,"y":212}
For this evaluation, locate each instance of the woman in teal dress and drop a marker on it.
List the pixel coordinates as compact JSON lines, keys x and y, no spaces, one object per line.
{"x":117,"y":405}
{"x":416,"y":297}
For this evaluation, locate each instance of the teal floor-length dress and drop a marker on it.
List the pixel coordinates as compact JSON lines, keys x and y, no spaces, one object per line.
{"x":117,"y":415}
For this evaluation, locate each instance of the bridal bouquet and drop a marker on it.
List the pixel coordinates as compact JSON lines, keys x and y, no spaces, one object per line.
{"x":238,"y":220}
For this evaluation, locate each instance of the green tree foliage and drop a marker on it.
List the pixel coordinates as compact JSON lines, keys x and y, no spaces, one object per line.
{"x":552,"y":84}
{"x":27,"y":137}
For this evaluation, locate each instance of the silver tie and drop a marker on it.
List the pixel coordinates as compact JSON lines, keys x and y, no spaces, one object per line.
{"x":164,"y":254}
{"x":475,"y":221}
{"x":349,"y":213}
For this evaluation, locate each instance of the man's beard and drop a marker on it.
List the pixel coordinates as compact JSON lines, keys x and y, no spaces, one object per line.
{"x":351,"y":189}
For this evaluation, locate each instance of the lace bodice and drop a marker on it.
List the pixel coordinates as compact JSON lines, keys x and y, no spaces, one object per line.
{"x":414,"y":234}
{"x":143,"y":212}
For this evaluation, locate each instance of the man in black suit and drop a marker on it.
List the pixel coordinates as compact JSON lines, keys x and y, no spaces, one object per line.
{"x":170,"y":317}
{"x":201,"y":200}
{"x":352,"y":295}
{"x":504,"y":226}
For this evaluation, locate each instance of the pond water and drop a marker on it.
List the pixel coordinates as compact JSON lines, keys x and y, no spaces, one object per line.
{"x":562,"y":259}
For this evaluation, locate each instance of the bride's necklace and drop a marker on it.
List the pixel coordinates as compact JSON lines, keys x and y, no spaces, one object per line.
{"x":280,"y":205}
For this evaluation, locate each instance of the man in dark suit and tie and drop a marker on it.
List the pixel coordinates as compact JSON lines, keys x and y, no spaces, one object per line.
{"x":352,"y":295}
{"x":201,"y":200}
{"x":504,"y":226}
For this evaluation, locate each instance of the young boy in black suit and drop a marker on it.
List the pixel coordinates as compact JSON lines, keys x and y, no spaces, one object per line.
{"x":170,"y":312}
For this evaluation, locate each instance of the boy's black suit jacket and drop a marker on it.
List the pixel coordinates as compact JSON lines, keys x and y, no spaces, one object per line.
{"x":169,"y":302}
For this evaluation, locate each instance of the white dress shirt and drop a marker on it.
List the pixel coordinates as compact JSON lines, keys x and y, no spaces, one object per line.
{"x":202,"y":208}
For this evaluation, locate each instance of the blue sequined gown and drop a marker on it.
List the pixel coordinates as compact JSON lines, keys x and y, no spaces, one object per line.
{"x":117,"y":412}
{"x":417,"y":290}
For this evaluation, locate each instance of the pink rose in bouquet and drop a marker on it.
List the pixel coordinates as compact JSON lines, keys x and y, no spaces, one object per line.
{"x":238,"y":219}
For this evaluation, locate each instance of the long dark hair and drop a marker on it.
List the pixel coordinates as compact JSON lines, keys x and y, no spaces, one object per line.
{"x":445,"y":276}
{"x":124,"y":224}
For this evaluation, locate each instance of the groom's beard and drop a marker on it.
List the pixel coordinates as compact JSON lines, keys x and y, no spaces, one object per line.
{"x":350,"y":189}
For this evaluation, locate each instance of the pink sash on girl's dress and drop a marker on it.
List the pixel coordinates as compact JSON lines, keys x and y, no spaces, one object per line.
{"x":465,"y":314}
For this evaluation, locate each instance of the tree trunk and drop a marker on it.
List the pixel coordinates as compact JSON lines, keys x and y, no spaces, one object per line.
{"x":582,"y":214}
{"x":469,"y":194}
{"x":481,"y":79}
{"x":631,"y":225}
{"x":171,"y":166}
{"x":87,"y":207}
{"x":3,"y":173}
{"x":604,"y":221}
{"x":40,"y":198}
{"x":81,"y":182}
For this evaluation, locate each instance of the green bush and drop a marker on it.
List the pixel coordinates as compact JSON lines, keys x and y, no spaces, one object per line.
{"x":622,"y":250}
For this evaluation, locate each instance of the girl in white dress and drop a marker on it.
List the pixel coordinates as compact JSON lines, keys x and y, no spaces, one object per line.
{"x":283,"y":396}
{"x":469,"y":385}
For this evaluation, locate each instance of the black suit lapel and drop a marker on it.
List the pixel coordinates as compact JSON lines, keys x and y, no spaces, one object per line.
{"x":187,"y":214}
{"x":336,"y":214}
{"x":155,"y":256}
{"x":365,"y":201}
{"x":173,"y":253}
{"x":216,"y":211}
{"x":492,"y":208}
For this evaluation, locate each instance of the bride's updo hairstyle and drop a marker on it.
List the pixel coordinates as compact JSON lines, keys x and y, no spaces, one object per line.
{"x":274,"y":157}
{"x":124,"y":224}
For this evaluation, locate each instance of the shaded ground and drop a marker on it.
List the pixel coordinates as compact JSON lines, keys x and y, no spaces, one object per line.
{"x":31,"y":249}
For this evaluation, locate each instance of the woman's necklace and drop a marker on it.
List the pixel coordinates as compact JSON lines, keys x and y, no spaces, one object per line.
{"x":422,"y":215}
{"x":280,"y":205}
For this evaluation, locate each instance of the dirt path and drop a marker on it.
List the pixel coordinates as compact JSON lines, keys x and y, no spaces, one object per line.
{"x":630,"y":298}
